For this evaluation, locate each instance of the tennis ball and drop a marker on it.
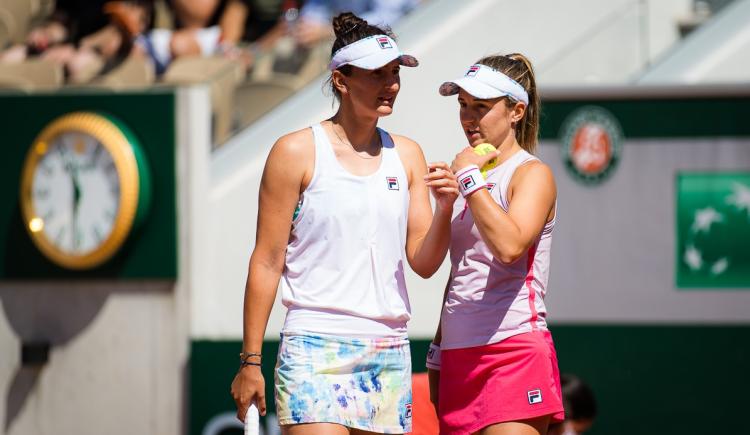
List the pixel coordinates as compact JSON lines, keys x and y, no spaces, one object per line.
{"x":483,"y":149}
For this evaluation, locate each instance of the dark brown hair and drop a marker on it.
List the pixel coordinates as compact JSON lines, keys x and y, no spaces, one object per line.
{"x":350,"y":28}
{"x":518,"y":67}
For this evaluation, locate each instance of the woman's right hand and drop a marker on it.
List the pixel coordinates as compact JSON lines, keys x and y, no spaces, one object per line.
{"x":249,"y":387}
{"x":443,"y":185}
{"x":40,"y":38}
{"x":433,"y":377}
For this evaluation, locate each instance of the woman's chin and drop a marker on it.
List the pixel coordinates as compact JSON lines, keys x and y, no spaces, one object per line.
{"x":384,"y":110}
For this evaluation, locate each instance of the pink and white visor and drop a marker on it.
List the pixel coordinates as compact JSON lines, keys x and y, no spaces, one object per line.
{"x":371,"y":53}
{"x":484,"y":82}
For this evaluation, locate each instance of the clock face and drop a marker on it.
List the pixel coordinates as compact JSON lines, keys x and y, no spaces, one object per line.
{"x":75,"y":192}
{"x":80,"y":190}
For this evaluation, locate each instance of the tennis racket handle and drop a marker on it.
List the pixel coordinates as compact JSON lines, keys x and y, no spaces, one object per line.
{"x":252,"y":425}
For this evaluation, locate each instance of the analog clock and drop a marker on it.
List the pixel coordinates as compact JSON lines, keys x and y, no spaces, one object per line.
{"x":84,"y":188}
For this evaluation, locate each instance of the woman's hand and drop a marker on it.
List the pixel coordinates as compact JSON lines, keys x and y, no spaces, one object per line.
{"x":249,"y":387}
{"x":443,"y":185}
{"x":433,"y":377}
{"x":467,"y":157}
{"x":42,"y":37}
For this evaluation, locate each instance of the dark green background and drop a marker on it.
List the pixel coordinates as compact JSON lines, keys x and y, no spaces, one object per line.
{"x":647,"y":379}
{"x":151,"y":250}
{"x":659,"y":118}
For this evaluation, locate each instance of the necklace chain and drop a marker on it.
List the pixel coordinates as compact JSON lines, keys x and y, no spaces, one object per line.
{"x":333,"y":127}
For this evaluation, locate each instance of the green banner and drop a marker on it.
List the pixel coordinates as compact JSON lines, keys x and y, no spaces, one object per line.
{"x":713,"y":230}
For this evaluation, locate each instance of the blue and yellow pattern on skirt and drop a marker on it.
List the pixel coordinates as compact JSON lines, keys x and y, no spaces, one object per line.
{"x":359,"y":383}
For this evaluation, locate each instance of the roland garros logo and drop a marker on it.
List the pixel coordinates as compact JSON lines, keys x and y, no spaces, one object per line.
{"x":592,"y":142}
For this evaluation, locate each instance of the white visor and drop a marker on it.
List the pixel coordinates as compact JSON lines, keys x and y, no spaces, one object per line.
{"x":484,"y":82}
{"x":371,"y":53}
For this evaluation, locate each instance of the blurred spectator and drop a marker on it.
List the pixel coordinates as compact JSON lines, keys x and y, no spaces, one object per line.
{"x":80,"y":36}
{"x":302,"y":27}
{"x":579,"y":404}
{"x":263,"y":15}
{"x":315,"y":16}
{"x":206,"y":28}
{"x":70,"y":22}
{"x":91,"y":37}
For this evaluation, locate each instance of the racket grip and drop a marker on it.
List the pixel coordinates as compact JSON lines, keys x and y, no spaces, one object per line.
{"x":252,"y":425}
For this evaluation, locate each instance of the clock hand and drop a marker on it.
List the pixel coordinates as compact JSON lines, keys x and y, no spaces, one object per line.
{"x":76,"y":203}
{"x":76,"y":189}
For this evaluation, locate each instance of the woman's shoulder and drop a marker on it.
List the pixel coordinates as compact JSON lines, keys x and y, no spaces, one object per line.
{"x":292,"y":157}
{"x":403,"y":141}
{"x":533,"y":171}
{"x":296,"y":143}
{"x":406,"y":146}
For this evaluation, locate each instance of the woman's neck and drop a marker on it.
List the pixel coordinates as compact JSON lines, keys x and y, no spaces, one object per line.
{"x":508,"y":147}
{"x":358,"y":130}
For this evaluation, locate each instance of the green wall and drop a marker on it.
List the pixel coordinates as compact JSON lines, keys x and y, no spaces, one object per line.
{"x":151,"y":251}
{"x":692,"y":117}
{"x":647,"y":379}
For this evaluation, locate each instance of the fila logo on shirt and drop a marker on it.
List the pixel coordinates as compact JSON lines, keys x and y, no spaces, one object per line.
{"x":467,"y":182}
{"x":408,"y":410}
{"x":490,"y":186}
{"x":535,"y":396}
{"x":384,"y":43}
{"x":472,"y":71}
{"x":392,"y":183}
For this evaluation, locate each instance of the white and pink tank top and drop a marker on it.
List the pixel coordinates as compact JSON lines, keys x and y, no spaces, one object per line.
{"x":488,"y":301}
{"x":344,"y":271}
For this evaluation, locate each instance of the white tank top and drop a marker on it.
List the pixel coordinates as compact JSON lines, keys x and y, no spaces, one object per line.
{"x":488,"y":301}
{"x":344,"y":271}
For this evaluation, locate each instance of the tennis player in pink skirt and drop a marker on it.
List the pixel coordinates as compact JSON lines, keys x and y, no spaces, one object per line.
{"x":492,"y":365}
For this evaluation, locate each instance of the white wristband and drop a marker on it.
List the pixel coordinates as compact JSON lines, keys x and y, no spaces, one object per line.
{"x":433,"y":357}
{"x":470,"y":180}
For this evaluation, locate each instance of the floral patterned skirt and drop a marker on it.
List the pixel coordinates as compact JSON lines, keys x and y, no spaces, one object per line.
{"x":361,"y":383}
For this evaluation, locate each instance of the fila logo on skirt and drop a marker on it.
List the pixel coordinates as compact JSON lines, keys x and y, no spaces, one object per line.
{"x":535,"y":396}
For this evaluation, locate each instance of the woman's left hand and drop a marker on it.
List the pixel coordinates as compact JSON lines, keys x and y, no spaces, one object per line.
{"x":467,"y":157}
{"x":443,"y":185}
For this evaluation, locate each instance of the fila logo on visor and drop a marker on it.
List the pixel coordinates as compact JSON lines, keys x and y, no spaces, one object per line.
{"x":392,"y":183}
{"x":535,"y":396}
{"x":472,"y":71}
{"x":468,"y":182}
{"x":384,"y":42}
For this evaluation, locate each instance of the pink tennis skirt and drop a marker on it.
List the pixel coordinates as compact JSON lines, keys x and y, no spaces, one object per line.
{"x":515,"y":379}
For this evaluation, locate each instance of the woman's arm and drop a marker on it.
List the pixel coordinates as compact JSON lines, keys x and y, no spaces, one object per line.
{"x":232,"y":21}
{"x":427,"y":234}
{"x":281,"y":183}
{"x":531,"y":195}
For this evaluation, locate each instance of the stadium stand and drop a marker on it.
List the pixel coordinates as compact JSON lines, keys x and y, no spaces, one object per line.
{"x":33,"y":75}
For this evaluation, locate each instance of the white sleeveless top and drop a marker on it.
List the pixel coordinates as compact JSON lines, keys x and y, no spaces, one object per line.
{"x":344,"y":272}
{"x":488,"y":301}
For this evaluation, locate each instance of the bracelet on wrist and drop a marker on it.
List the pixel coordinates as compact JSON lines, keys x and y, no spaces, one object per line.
{"x":244,"y":364}
{"x":244,"y":356}
{"x":470,"y":180}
